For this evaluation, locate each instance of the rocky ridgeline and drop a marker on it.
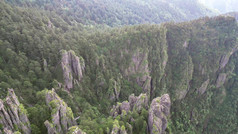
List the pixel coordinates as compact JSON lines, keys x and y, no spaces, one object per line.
{"x":73,"y":67}
{"x":159,"y":111}
{"x":13,"y":116}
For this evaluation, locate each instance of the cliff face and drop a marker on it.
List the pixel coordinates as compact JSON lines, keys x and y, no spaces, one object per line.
{"x":73,"y":67}
{"x":159,"y":114}
{"x":61,"y":115}
{"x":13,"y":116}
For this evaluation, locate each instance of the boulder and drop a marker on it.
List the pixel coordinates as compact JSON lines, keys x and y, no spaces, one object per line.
{"x":158,"y":114}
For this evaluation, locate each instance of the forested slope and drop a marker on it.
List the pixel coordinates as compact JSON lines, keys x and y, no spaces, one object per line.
{"x":172,"y":78}
{"x":121,"y":12}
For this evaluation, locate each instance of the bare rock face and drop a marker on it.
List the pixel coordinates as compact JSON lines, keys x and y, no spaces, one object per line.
{"x":13,"y":114}
{"x":135,"y":103}
{"x":62,"y":116}
{"x":220,"y":80}
{"x":73,"y":67}
{"x":115,"y":89}
{"x":203,"y":87}
{"x":225,"y":58}
{"x":117,"y":129}
{"x":158,"y":113}
{"x":139,"y":65}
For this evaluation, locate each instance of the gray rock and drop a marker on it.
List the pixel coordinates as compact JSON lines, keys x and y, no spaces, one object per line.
{"x":73,"y":67}
{"x":203,"y":87}
{"x":158,"y":114}
{"x":62,"y":116}
{"x":13,"y":114}
{"x":139,"y":65}
{"x":225,"y":58}
{"x":135,"y":103}
{"x":220,"y":80}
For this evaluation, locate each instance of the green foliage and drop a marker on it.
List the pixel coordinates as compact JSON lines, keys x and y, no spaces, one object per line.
{"x":177,"y":57}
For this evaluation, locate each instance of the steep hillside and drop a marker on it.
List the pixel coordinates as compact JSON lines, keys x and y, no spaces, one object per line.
{"x":122,"y":12}
{"x":168,"y":78}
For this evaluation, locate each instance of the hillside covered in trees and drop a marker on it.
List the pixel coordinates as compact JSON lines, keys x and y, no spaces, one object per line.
{"x":64,"y":71}
{"x":120,"y":12}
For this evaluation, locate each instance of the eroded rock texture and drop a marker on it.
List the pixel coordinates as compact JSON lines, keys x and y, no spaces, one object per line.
{"x":140,"y":67}
{"x":13,"y":116}
{"x":135,"y":103}
{"x":61,"y":115}
{"x":73,"y":67}
{"x":220,"y":80}
{"x":158,"y":114}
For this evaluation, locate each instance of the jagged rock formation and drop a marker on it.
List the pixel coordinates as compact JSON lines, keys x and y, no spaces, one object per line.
{"x":158,"y":114}
{"x":135,"y":103}
{"x":114,"y":88}
{"x":61,"y":115}
{"x":225,"y":58}
{"x":117,"y":129}
{"x":75,"y":130}
{"x":203,"y":87}
{"x":73,"y":67}
{"x":13,"y":116}
{"x":139,"y":66}
{"x":220,"y":80}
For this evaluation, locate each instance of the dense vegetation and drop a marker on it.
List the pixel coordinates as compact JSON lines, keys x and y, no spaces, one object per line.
{"x":121,"y":12}
{"x":178,"y":57}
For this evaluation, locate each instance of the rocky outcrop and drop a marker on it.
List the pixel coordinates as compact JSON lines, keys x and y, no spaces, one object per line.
{"x":117,"y":129}
{"x":158,"y":114}
{"x":114,"y":89}
{"x":203,"y":87}
{"x":73,"y":67}
{"x":135,"y":103}
{"x":220,"y":80}
{"x":75,"y":130}
{"x":61,"y":115}
{"x":225,"y":58}
{"x":13,"y":116}
{"x":139,"y":67}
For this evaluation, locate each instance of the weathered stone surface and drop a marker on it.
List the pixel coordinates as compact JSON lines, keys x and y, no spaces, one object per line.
{"x":115,"y":89}
{"x":61,"y":115}
{"x":158,"y":114}
{"x":220,"y":80}
{"x":203,"y":87}
{"x":135,"y":103}
{"x":13,"y":114}
{"x":140,"y":67}
{"x":73,"y":67}
{"x":225,"y":58}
